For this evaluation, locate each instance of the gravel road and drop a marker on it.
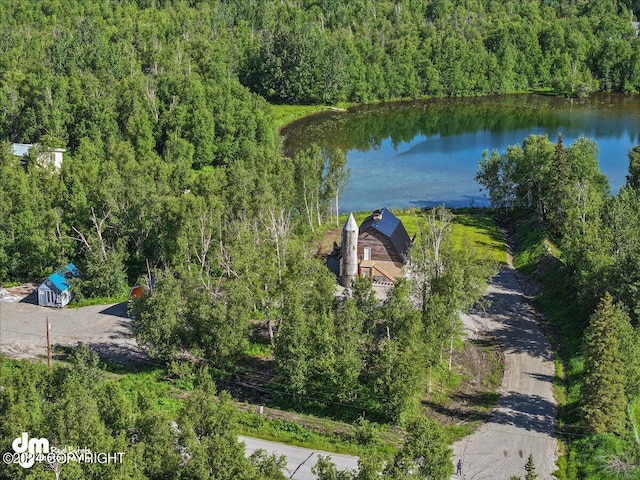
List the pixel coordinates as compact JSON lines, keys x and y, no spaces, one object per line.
{"x":523,"y":421}
{"x":106,"y":328}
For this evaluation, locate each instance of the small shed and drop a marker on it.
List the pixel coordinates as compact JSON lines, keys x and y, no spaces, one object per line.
{"x":48,"y":156}
{"x":54,"y":291}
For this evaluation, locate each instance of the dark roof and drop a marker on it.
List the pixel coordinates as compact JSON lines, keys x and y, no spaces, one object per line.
{"x":390,"y":226}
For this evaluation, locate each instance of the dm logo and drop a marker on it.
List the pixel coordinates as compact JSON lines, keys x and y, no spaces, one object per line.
{"x":27,"y":449}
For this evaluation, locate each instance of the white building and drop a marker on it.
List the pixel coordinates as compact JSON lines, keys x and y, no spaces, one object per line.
{"x":48,"y":156}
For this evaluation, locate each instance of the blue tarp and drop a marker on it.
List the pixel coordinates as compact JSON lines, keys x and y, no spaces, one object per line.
{"x":59,"y":279}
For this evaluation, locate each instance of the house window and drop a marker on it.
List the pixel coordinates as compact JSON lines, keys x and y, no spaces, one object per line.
{"x":367,"y":253}
{"x":366,"y":272}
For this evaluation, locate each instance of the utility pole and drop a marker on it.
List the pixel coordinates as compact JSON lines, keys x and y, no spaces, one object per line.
{"x":48,"y":345}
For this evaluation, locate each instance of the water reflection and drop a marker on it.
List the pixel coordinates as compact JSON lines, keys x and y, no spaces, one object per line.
{"x":425,"y":153}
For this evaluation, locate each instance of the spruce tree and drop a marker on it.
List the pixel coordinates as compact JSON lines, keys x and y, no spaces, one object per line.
{"x":604,"y":400}
{"x":530,"y":469}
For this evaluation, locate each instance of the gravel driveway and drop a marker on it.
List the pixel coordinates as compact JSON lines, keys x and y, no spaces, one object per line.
{"x":106,"y":328}
{"x":524,"y":419}
{"x":522,"y":423}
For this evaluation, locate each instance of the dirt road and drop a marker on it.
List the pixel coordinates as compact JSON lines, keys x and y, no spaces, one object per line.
{"x":106,"y":328}
{"x":523,"y":422}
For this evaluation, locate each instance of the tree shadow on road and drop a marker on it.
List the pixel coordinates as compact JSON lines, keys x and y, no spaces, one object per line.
{"x":114,"y":358}
{"x":465,"y":408}
{"x":519,"y":337}
{"x":122,"y":356}
{"x":519,"y":331}
{"x":530,"y":412}
{"x":117,"y":310}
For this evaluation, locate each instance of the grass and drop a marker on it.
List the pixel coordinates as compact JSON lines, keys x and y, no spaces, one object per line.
{"x":471,"y":229}
{"x":467,"y":395}
{"x":285,"y":114}
{"x":531,"y":241}
{"x":497,"y":373}
{"x":154,"y":386}
{"x":479,"y":232}
{"x":258,"y":350}
{"x":87,"y":302}
{"x":314,"y":433}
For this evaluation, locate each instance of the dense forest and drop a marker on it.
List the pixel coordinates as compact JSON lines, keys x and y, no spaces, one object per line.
{"x":597,"y":234}
{"x":160,"y":107}
{"x":173,"y":168}
{"x":80,"y":406}
{"x":340,"y":356}
{"x":361,"y":51}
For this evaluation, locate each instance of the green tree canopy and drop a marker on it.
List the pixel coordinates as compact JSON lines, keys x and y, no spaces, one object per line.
{"x":604,"y":401}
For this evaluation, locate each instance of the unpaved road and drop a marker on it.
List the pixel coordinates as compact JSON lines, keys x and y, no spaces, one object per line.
{"x":106,"y":328}
{"x":523,"y":421}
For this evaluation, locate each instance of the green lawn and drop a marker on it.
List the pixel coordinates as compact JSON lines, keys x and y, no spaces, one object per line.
{"x":479,"y":232}
{"x":471,"y":229}
{"x":284,"y":114}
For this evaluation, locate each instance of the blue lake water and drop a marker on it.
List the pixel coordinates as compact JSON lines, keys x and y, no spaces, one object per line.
{"x":423,"y":154}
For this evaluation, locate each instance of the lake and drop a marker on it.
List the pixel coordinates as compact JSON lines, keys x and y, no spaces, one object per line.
{"x":423,"y":153}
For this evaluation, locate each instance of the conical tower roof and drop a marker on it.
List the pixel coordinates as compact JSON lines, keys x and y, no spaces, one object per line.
{"x":351,"y":225}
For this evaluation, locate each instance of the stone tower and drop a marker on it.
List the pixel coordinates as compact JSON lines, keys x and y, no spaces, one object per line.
{"x":349,"y":262}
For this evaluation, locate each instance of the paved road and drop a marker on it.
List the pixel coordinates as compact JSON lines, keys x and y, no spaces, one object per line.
{"x":299,"y":460}
{"x":523,"y":422}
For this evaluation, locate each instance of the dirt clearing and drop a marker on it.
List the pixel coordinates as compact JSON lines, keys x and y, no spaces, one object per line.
{"x":105,"y":328}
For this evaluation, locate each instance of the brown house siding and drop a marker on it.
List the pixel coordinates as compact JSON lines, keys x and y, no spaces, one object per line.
{"x":381,"y":247}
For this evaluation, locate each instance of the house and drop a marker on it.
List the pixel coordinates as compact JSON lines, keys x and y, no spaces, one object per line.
{"x":54,"y":291}
{"x":48,"y":156}
{"x":376,"y":250}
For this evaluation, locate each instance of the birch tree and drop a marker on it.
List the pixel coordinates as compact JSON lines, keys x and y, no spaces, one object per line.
{"x":308,"y":176}
{"x":336,"y":177}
